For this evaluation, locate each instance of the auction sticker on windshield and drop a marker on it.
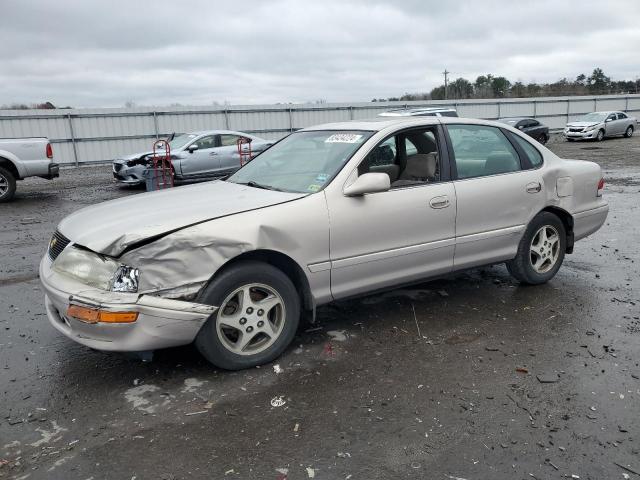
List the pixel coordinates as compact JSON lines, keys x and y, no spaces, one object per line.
{"x":343,"y":138}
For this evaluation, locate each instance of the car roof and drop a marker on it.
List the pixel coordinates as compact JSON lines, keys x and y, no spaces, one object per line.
{"x":217,"y":132}
{"x":377,"y":124}
{"x":516,"y":119}
{"x":416,"y":111}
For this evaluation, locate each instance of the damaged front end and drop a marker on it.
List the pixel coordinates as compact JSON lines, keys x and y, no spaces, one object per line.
{"x":96,"y":301}
{"x":130,"y":171}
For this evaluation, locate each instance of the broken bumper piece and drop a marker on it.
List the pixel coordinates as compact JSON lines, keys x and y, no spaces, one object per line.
{"x":123,"y":322}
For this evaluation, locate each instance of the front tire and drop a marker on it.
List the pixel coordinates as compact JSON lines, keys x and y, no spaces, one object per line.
{"x":600,"y":136}
{"x":541,"y":250}
{"x":258,"y":316}
{"x":7,"y":185}
{"x":629,"y":131}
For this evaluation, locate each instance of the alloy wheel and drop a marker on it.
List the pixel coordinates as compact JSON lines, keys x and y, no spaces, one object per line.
{"x":251,"y":319}
{"x":4,"y":185}
{"x":544,"y":249}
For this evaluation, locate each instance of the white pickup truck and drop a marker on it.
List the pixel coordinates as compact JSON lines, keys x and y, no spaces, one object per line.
{"x":21,"y":158}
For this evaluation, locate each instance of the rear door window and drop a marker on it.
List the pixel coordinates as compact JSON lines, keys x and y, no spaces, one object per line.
{"x":480,"y":151}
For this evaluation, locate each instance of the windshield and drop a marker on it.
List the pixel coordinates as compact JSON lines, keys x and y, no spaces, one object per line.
{"x":303,"y":162}
{"x":592,"y":117}
{"x":181,"y":140}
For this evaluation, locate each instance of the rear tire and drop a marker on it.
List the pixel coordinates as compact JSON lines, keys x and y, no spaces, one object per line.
{"x":541,"y":250}
{"x":258,"y":316}
{"x":629,"y":131}
{"x":7,"y":185}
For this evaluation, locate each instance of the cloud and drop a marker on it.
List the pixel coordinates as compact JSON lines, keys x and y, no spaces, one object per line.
{"x":80,"y":53}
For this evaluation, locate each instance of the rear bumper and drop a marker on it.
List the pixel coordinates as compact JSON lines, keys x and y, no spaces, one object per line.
{"x":161,"y":322}
{"x":54,"y":171}
{"x":589,"y":221}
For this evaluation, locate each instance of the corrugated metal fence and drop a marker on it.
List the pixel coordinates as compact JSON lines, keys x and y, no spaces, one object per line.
{"x":95,"y":135}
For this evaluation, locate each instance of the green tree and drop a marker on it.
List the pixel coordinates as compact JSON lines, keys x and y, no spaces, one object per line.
{"x":598,"y":82}
{"x":460,"y":88}
{"x":500,"y":86}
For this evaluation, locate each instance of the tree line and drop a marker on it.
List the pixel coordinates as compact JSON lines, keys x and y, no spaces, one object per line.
{"x":492,"y":86}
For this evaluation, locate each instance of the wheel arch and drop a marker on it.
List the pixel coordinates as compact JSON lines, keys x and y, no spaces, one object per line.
{"x":567,"y":221}
{"x":282,"y":262}
{"x":9,"y":165}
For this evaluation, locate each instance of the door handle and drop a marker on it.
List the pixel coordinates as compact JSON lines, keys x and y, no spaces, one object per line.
{"x":534,"y":187}
{"x":439,"y":202}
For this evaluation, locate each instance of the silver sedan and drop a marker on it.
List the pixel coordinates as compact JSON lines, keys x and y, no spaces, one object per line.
{"x":328,"y":212}
{"x":598,"y":125}
{"x":197,"y":155}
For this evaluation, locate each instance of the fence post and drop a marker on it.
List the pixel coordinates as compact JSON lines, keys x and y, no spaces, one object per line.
{"x":73,"y":139}
{"x":155,"y":124}
{"x":535,"y":108}
{"x":499,"y":110}
{"x":351,"y":111}
{"x":226,"y":119}
{"x":626,"y":103}
{"x":595,"y":104}
{"x":568,"y":108}
{"x":290,"y":119}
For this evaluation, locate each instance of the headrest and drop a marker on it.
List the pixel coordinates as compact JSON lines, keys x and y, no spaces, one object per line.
{"x":421,"y":165}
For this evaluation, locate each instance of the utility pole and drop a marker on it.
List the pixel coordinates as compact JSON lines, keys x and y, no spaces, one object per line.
{"x":446,"y":82}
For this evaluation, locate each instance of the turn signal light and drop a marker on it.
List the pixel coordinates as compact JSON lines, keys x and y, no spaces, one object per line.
{"x":49,"y":151}
{"x":92,"y":315}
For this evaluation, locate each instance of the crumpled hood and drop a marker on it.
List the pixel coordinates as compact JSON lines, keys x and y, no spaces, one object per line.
{"x":133,"y":156}
{"x":110,"y":227}
{"x":582,"y":124}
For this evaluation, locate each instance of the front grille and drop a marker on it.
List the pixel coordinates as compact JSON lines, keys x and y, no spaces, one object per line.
{"x":575,"y":129}
{"x":57,"y":243}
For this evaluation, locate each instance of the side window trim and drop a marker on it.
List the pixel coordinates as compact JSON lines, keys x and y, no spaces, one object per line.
{"x":525,"y":163}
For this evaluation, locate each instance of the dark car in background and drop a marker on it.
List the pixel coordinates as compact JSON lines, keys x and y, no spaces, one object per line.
{"x":530,"y":126}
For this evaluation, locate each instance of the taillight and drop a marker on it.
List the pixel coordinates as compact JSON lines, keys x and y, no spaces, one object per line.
{"x":600,"y":187}
{"x":49,"y":151}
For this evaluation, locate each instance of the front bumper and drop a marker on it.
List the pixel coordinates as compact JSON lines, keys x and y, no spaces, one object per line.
{"x":161,"y":322}
{"x":130,"y":175}
{"x":581,"y":135}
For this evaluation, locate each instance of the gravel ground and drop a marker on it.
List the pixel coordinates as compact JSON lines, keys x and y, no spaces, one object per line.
{"x":503,"y":382}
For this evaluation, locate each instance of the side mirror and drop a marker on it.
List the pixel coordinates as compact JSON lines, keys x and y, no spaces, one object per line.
{"x":192,"y":148}
{"x":368,"y":183}
{"x":520,"y":127}
{"x":609,"y":120}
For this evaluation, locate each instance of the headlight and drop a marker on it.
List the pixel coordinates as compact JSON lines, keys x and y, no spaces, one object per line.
{"x":125,"y":279}
{"x":96,"y":270}
{"x":589,"y":129}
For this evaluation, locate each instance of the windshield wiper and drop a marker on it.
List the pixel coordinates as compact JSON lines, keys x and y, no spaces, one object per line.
{"x":251,"y":183}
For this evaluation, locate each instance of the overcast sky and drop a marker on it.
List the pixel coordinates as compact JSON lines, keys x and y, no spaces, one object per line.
{"x":105,"y":53}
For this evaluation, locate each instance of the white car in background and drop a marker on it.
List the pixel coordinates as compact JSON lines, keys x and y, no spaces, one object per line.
{"x":598,"y":125}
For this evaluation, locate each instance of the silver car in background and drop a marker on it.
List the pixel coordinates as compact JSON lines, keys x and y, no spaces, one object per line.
{"x":329,"y":212}
{"x":196,"y":155}
{"x":598,"y":125}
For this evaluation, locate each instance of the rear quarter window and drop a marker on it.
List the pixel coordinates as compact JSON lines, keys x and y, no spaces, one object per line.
{"x":535,"y":157}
